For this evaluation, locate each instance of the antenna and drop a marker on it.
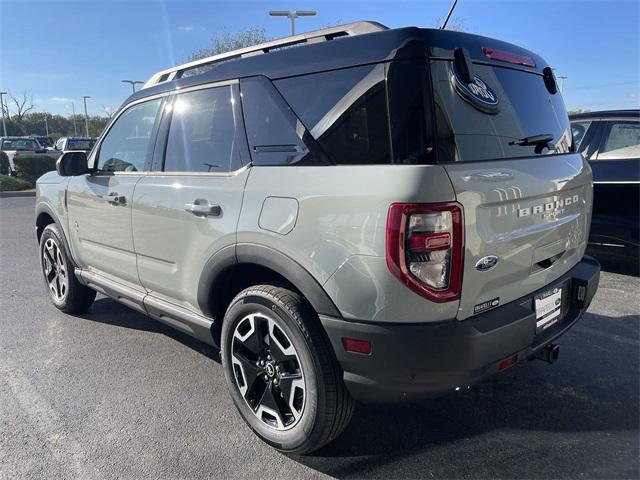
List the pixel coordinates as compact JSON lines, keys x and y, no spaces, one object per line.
{"x":453,"y":5}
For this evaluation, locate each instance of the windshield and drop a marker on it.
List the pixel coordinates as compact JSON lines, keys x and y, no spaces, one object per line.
{"x":80,"y":144}
{"x":505,"y":113}
{"x":20,"y":144}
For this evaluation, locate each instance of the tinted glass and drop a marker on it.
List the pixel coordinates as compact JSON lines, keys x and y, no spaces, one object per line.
{"x":410,"y":120}
{"x":203,"y":135}
{"x":525,"y":108}
{"x":274,"y":133}
{"x":20,"y":144}
{"x":127,"y":144}
{"x":622,"y":140}
{"x":80,"y":144}
{"x":578,"y":130}
{"x":345,"y":111}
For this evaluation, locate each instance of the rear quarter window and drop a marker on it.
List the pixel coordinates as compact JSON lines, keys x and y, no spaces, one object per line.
{"x":345,"y":111}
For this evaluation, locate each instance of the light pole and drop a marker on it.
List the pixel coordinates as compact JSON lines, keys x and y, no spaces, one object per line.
{"x":46,"y":124}
{"x":292,"y":16}
{"x":562,"y":79}
{"x":86,"y":116}
{"x":4,"y":125}
{"x":133,"y":83}
{"x":75,"y":129}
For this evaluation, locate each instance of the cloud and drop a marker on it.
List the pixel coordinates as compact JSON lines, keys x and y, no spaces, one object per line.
{"x":185,"y":28}
{"x":62,"y":99}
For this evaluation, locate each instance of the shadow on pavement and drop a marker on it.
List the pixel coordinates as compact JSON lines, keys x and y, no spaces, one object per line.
{"x":110,"y":312}
{"x":507,"y":419}
{"x":501,"y":425}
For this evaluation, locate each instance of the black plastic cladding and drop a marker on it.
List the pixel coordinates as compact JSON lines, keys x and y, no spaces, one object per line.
{"x":345,"y":52}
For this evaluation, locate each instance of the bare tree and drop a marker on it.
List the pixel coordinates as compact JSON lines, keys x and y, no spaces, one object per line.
{"x":108,"y":111}
{"x":227,"y":41}
{"x":457,"y":24}
{"x":22,"y":105}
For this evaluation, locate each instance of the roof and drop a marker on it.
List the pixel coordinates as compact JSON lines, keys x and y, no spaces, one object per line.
{"x":631,"y":113}
{"x":376,"y":45}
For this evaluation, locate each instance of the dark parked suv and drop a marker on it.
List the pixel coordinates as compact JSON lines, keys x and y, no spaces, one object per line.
{"x":355,"y":213}
{"x":610,"y":141}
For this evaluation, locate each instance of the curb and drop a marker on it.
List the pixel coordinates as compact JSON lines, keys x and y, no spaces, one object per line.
{"x":30,"y":193}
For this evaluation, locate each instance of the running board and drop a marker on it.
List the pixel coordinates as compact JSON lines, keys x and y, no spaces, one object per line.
{"x":180,"y":318}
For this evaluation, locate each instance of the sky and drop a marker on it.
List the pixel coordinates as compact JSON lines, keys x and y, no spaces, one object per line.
{"x":59,"y":51}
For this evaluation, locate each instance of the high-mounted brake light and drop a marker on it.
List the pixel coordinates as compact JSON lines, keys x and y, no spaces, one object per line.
{"x":425,"y":248}
{"x":508,"y":57}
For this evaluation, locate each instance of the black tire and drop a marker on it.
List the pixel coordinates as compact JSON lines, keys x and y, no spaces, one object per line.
{"x":327,"y":406}
{"x":71,"y":296}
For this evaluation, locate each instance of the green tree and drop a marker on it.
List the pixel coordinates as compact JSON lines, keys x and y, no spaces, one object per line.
{"x":578,"y":110}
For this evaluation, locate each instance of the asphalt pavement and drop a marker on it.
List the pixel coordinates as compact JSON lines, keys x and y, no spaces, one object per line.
{"x":114,"y":394}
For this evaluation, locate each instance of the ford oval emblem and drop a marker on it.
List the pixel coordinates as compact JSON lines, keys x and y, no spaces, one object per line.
{"x":477,"y":93}
{"x":486,"y":263}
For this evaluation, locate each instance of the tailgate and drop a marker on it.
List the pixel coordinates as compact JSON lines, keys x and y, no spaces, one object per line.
{"x":530,"y":213}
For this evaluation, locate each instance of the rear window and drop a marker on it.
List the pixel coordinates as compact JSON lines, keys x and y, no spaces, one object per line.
{"x":80,"y":144}
{"x":505,"y":106}
{"x":20,"y":144}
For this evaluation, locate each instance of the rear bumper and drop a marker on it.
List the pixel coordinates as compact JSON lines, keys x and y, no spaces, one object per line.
{"x":413,"y":361}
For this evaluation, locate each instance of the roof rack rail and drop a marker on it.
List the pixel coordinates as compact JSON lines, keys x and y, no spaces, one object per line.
{"x":349,"y":29}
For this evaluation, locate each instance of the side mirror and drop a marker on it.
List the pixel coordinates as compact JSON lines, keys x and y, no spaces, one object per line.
{"x":71,"y":164}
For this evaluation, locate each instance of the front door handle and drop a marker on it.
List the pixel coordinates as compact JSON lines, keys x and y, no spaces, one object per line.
{"x":202,"y":208}
{"x":115,"y":199}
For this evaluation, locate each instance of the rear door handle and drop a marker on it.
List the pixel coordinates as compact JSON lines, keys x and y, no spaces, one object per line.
{"x":202,"y":208}
{"x":115,"y":199}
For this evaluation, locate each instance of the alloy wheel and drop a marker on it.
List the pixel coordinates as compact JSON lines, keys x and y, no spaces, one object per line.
{"x":268,"y":372}
{"x":55,"y":270}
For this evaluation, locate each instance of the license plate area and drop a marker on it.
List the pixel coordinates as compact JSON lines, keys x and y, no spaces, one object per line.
{"x":548,"y":307}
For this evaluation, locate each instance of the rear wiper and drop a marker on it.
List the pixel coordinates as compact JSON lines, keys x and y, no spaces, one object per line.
{"x":539,"y":141}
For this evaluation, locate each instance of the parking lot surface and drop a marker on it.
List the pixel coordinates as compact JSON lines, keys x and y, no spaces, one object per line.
{"x":114,"y":394}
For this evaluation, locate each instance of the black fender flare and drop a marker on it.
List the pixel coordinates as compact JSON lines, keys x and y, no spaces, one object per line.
{"x":45,"y":208}
{"x":255,"y":254}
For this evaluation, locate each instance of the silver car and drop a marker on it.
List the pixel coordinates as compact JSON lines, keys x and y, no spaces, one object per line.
{"x":367,"y":214}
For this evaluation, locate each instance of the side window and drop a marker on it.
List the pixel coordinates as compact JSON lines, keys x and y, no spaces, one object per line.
{"x":206,"y":132}
{"x":621,"y":140}
{"x":275,"y":135}
{"x":127,"y":144}
{"x":578,"y":131}
{"x":345,"y":111}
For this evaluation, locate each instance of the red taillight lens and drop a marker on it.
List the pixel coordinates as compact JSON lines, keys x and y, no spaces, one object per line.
{"x":507,"y":362}
{"x":425,"y":248}
{"x":356,"y":346}
{"x":421,"y":242}
{"x":508,"y":57}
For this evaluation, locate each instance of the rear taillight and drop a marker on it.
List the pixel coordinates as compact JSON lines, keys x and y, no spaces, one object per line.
{"x":424,"y":248}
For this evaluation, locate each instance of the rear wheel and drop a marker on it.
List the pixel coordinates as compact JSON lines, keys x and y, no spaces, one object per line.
{"x":66,"y":293}
{"x":281,"y":371}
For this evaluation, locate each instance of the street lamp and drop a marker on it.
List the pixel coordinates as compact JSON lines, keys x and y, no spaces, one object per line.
{"x":4,"y":125}
{"x":562,"y":79}
{"x":86,"y":116}
{"x":75,"y":128}
{"x":133,"y":83}
{"x":292,"y":16}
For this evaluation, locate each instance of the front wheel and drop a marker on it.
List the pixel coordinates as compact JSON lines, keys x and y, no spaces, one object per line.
{"x":282,"y":374}
{"x":66,"y":293}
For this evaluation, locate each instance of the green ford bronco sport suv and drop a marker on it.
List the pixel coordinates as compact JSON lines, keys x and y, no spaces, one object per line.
{"x":352,"y":214}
